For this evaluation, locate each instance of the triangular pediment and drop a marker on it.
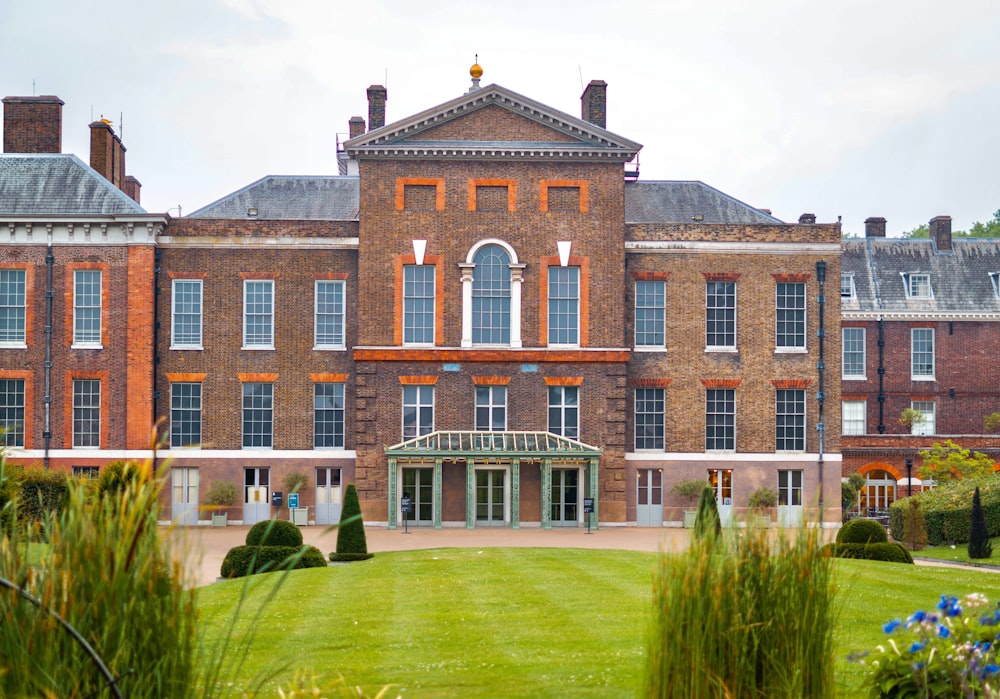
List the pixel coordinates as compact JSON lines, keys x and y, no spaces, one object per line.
{"x":493,"y":122}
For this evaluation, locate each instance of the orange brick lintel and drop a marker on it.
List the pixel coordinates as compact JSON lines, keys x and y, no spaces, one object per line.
{"x":721,"y":383}
{"x":186,"y":378}
{"x":721,"y":276}
{"x":436,"y":182}
{"x":492,"y":355}
{"x":258,"y":378}
{"x":792,"y":278}
{"x":418,"y":380}
{"x":650,"y":276}
{"x":263,"y":276}
{"x":331,"y":276}
{"x":791,"y":383}
{"x":563,"y":380}
{"x":491,"y":380}
{"x":650,"y":383}
{"x":329,"y":378}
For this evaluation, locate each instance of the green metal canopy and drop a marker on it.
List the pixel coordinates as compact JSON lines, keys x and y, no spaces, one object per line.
{"x":493,"y":444}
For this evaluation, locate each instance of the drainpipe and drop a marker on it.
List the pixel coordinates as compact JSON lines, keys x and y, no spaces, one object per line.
{"x":157,"y":259}
{"x":50,"y":261}
{"x":881,"y":377}
{"x":821,"y":370}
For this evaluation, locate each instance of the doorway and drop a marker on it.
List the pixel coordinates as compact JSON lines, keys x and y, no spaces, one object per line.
{"x":721,"y":480}
{"x":328,"y":495}
{"x":565,"y":497}
{"x":256,"y":495}
{"x":490,"y":485}
{"x":418,"y":483}
{"x":649,"y":497}
{"x":184,"y":496}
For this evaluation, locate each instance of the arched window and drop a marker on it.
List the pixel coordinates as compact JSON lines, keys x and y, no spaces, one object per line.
{"x":491,"y":296}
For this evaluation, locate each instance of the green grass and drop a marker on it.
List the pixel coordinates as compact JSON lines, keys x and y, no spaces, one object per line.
{"x":516,"y":622}
{"x":960,"y":553}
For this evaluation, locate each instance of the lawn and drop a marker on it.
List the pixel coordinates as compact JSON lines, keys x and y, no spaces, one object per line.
{"x":513,"y":622}
{"x":959,"y":553}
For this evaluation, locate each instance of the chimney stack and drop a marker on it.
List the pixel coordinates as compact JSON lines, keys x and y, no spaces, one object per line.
{"x":32,"y":124}
{"x":355,"y":127}
{"x":807,"y":218}
{"x":874,"y":227}
{"x":594,"y":103}
{"x":107,"y":154}
{"x":940,"y":229}
{"x":132,"y":187}
{"x":376,"y":107}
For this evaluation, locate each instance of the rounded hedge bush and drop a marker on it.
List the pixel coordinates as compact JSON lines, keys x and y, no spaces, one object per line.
{"x":889,"y":552}
{"x":274,"y":532}
{"x":247,"y":560}
{"x":862,"y":531}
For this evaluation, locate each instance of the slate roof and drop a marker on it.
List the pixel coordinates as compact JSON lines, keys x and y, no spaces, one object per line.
{"x":682,"y":202}
{"x":296,"y":198}
{"x":58,"y":184}
{"x":960,"y":279}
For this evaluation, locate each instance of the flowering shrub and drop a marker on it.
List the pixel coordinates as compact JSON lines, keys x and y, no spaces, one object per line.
{"x":948,"y":653}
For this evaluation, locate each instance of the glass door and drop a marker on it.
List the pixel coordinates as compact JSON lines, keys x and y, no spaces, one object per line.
{"x":184,"y":495}
{"x":256,"y":495}
{"x":721,"y":480}
{"x":649,"y":497}
{"x":328,"y":495}
{"x":790,"y":498}
{"x":490,"y":498}
{"x":418,"y":483}
{"x":565,"y":494}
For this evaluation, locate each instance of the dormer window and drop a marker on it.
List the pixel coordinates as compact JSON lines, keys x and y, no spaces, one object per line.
{"x":995,"y":280}
{"x":847,"y":290}
{"x":918,"y":285}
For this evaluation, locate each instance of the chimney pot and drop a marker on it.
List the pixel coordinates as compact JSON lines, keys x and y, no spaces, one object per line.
{"x":807,"y":218}
{"x":594,"y":103}
{"x":940,"y":230}
{"x":32,"y":124}
{"x":132,"y":187}
{"x":107,"y":154}
{"x":377,"y":95}
{"x":874,"y":227}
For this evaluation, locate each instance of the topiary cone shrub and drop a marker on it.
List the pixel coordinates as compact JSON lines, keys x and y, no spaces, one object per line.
{"x":980,"y":545}
{"x":351,"y":542}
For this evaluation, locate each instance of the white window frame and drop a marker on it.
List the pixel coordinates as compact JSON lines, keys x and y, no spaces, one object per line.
{"x":844,"y":351}
{"x":656,"y":399}
{"x":651,"y":313}
{"x":13,"y":307}
{"x":564,"y":403}
{"x":191,"y":337}
{"x":180,"y":440}
{"x":265,"y":340}
{"x":928,"y":409}
{"x":564,"y":306}
{"x":790,"y":315}
{"x":419,"y":306}
{"x":917,"y":285}
{"x":924,"y":374}
{"x":709,"y":347}
{"x":490,"y":399}
{"x":995,"y":281}
{"x":516,"y":279}
{"x":265,"y":436}
{"x":323,"y":339}
{"x":338,"y":415}
{"x":715,"y":440}
{"x":418,"y":399}
{"x":790,"y":488}
{"x":12,"y":412}
{"x":90,"y":402}
{"x":847,"y":283}
{"x":795,"y":419}
{"x":850,"y":421}
{"x":88,"y":313}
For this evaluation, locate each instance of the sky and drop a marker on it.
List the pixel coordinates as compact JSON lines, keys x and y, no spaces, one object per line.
{"x":849,"y":109}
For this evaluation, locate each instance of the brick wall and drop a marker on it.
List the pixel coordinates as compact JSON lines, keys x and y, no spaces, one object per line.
{"x":32,"y":124}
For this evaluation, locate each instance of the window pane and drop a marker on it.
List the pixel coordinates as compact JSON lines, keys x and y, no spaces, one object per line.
{"x":258,"y":313}
{"x":329,"y":314}
{"x":491,"y":408}
{"x":853,"y":417}
{"x":491,"y":297}
{"x":564,"y":411}
{"x":922,"y":352}
{"x":847,"y":286}
{"x":790,"y":420}
{"x":185,"y":414}
{"x":853,"y":352}
{"x":649,"y":418}
{"x":564,"y":305}
{"x":418,"y":411}
{"x":12,"y":412}
{"x":650,"y":314}
{"x":927,"y":409}
{"x":418,"y":304}
{"x":258,"y":415}
{"x":720,"y":419}
{"x":791,"y":315}
{"x":328,"y":415}
{"x":186,"y":319}
{"x":720,"y":317}
{"x":86,"y":413}
{"x":87,"y":307}
{"x":12,"y":306}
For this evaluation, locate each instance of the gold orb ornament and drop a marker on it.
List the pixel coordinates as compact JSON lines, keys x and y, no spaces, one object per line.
{"x":476,"y":71}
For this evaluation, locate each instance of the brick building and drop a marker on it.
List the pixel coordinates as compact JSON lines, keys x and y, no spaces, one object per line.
{"x":487,"y":316}
{"x":76,"y":295}
{"x":920,"y":321}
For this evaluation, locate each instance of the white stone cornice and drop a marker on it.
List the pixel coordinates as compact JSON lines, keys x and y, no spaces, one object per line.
{"x":917,"y":315}
{"x":721,"y":247}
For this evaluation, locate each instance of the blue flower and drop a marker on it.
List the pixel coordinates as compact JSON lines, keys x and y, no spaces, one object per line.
{"x":917,"y":647}
{"x":918,"y":616}
{"x":990,"y":669}
{"x":943,"y":631}
{"x":892,"y":625}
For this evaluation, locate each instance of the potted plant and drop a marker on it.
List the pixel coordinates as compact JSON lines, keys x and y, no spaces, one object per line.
{"x":690,"y":491}
{"x":761,"y":501}
{"x":220,"y":496}
{"x":295,"y":482}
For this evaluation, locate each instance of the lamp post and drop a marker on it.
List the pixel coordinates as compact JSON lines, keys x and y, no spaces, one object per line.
{"x":909,"y":477}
